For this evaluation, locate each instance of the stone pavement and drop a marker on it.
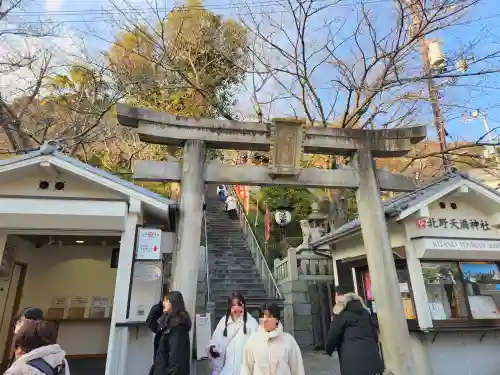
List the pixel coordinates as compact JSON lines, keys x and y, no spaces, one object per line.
{"x":315,"y":363}
{"x":318,"y":363}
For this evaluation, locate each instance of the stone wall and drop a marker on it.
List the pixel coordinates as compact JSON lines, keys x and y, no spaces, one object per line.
{"x":297,"y":318}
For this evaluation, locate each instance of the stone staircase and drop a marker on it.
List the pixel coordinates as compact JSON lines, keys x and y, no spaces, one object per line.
{"x":231,"y":265}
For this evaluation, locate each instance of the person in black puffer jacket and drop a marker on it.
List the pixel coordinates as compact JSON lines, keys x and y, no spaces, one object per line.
{"x":353,"y":334}
{"x":152,"y":321}
{"x":172,"y":346}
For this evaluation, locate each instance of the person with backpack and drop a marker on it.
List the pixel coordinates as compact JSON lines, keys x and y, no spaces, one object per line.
{"x":36,"y":351}
{"x":222,"y":192}
{"x":29,"y":313}
{"x":353,"y":333}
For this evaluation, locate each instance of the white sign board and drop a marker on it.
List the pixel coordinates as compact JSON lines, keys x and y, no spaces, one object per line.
{"x":148,"y":244}
{"x":457,"y":248}
{"x":79,"y":301}
{"x":203,"y":334}
{"x":100,"y":301}
{"x":59,"y":302}
{"x":146,"y":289}
{"x":403,"y":288}
{"x":147,"y":272}
{"x":483,"y":307}
{"x":459,"y":244}
{"x":437,"y":311}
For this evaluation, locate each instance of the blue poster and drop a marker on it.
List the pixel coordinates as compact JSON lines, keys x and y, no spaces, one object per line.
{"x":481,"y":273}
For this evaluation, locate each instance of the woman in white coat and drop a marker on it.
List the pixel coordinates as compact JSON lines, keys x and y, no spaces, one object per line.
{"x":230,"y":337}
{"x":271,"y":351}
{"x":231,"y":207}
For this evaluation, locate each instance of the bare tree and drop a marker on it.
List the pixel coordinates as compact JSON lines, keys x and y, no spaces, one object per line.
{"x":21,"y":52}
{"x":359,"y":66}
{"x":360,"y":69}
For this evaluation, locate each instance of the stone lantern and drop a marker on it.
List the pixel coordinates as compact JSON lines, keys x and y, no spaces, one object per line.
{"x":317,"y":219}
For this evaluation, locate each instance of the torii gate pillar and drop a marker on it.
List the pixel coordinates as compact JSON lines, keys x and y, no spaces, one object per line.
{"x":187,"y":257}
{"x":394,"y":333}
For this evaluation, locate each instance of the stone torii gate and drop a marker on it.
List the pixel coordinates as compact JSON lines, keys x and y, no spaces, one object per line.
{"x":287,"y":139}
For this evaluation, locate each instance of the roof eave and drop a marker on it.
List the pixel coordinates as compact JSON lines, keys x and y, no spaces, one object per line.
{"x":326,"y":240}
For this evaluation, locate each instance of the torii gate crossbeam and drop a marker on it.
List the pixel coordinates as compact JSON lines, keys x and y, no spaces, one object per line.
{"x":287,"y":140}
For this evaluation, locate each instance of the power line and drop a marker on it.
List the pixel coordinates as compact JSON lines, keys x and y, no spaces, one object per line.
{"x":141,"y":11}
{"x":163,"y":9}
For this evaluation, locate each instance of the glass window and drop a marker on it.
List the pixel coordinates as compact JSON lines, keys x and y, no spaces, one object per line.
{"x":482,"y":282}
{"x":404,"y":288}
{"x":445,"y":290}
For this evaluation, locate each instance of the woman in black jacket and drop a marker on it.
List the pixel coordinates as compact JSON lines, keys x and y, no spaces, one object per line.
{"x":171,"y":344}
{"x":354,"y":335}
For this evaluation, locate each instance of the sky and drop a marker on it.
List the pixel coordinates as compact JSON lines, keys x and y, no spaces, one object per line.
{"x":94,"y":23}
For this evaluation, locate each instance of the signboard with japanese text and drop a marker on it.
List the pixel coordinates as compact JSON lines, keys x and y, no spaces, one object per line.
{"x":100,"y":301}
{"x":98,"y":308}
{"x":148,"y":244}
{"x":59,"y":302}
{"x":461,"y":224}
{"x":79,"y":301}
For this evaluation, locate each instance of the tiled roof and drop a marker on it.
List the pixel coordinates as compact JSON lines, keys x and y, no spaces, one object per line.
{"x":397,"y":204}
{"x":94,"y":170}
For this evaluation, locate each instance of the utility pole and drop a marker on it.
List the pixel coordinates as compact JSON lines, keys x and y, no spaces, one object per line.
{"x":418,"y":7}
{"x":491,"y":149}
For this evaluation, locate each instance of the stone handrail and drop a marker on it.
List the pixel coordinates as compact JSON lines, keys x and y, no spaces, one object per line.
{"x":304,"y":266}
{"x":257,"y":253}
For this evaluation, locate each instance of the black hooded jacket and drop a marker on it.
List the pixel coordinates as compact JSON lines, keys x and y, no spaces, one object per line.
{"x":152,"y":321}
{"x":354,"y":335}
{"x":172,"y":348}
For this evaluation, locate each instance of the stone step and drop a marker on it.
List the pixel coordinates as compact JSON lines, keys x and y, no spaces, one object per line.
{"x":242,"y":282}
{"x":222,"y":300}
{"x":236,"y":250}
{"x":257,"y":292}
{"x":221,"y":262}
{"x":234,"y":277}
{"x":232,"y":267}
{"x":231,"y":275}
{"x":235,"y":280}
{"x":229,"y":254}
{"x":231,"y":272}
{"x":226,"y":290}
{"x":236,"y":267}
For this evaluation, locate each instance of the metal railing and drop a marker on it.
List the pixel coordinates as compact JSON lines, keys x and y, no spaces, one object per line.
{"x":207,"y":272}
{"x":257,"y":253}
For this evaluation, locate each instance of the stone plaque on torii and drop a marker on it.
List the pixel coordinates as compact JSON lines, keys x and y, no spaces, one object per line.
{"x":287,"y":140}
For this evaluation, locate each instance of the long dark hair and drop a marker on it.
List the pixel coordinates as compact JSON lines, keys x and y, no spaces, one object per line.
{"x":239,"y":297}
{"x":178,"y":314}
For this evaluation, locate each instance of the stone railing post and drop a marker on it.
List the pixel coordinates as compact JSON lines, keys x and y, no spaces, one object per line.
{"x":275,"y":268}
{"x":293,"y":273}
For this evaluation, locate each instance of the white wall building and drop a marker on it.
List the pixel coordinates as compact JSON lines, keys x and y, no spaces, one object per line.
{"x":446,"y":244}
{"x":67,"y":242}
